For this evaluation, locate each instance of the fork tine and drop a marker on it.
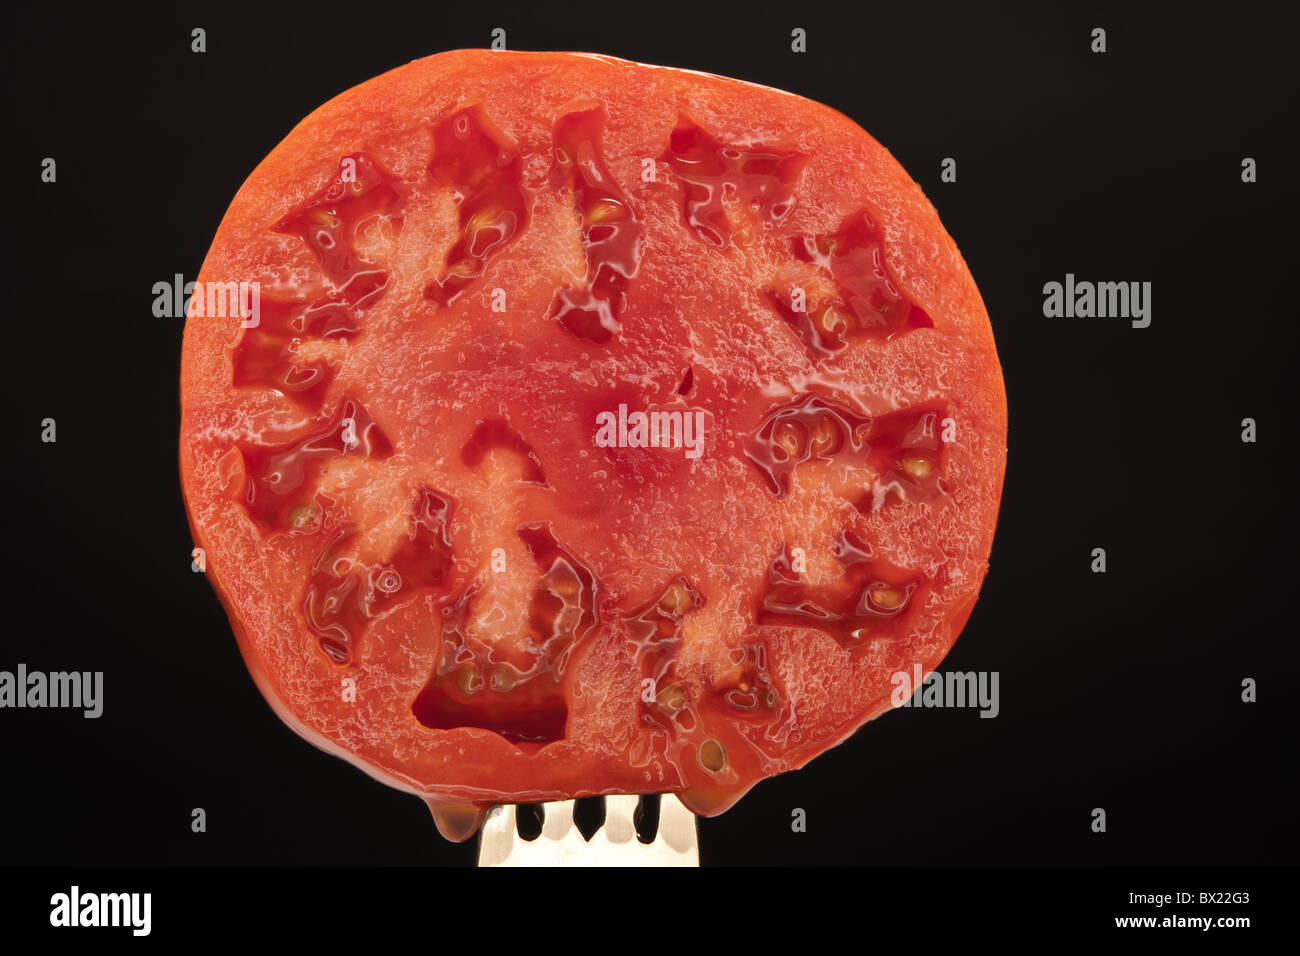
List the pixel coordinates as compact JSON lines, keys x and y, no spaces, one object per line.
{"x":614,"y":844}
{"x":676,"y":825}
{"x":557,"y":819}
{"x":620,"y":817}
{"x":499,"y":835}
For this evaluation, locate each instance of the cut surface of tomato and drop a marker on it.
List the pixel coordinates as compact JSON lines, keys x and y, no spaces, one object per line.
{"x":593,"y":428}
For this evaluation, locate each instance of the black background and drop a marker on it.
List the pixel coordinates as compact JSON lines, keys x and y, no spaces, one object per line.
{"x":1118,"y":690}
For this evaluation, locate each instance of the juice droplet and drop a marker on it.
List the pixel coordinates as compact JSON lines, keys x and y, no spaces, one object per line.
{"x":457,"y":822}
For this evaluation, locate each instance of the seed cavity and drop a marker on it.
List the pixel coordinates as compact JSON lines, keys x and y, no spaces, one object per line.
{"x":267,"y":354}
{"x":328,"y":222}
{"x":495,"y":434}
{"x":903,"y":446}
{"x":871,"y":600}
{"x":656,"y":635}
{"x":525,"y":699}
{"x":867,"y":302}
{"x":474,"y":158}
{"x":344,"y":593}
{"x":760,"y":178}
{"x":279,"y":477}
{"x":611,"y":233}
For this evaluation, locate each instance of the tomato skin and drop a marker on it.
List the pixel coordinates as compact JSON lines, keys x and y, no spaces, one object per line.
{"x":688,"y":309}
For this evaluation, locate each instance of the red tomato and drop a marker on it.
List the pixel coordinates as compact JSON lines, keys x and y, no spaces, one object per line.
{"x":604,"y":428}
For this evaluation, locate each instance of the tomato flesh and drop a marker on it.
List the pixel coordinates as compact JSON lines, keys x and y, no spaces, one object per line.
{"x":609,"y":428}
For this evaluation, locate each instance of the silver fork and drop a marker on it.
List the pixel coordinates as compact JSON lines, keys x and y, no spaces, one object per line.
{"x":614,"y":844}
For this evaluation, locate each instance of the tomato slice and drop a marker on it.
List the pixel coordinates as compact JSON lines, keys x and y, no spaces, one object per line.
{"x":600,"y":428}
